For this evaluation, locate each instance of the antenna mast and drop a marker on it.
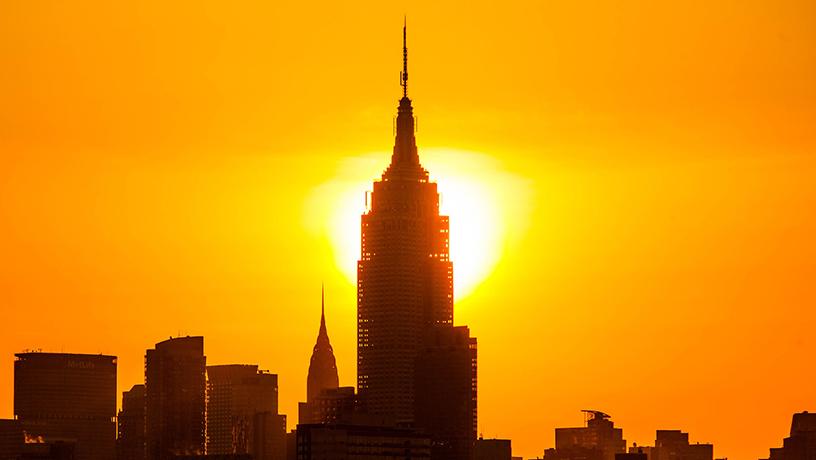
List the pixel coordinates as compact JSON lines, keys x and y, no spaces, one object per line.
{"x":404,"y":73}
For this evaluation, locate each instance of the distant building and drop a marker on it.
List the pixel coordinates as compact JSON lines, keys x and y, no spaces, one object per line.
{"x":492,"y":449}
{"x":68,"y":401}
{"x":322,"y":375}
{"x":674,"y":445}
{"x":174,"y":398}
{"x":598,"y":440}
{"x":130,"y":444}
{"x":358,"y":442}
{"x":801,"y":444}
{"x":445,"y":391}
{"x":242,"y":413}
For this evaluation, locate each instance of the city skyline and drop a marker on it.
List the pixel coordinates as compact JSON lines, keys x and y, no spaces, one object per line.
{"x":662,"y":268}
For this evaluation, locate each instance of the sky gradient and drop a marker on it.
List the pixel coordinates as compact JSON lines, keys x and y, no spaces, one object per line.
{"x":646,"y":169}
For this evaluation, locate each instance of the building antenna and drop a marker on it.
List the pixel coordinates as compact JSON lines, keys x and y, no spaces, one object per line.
{"x":404,"y":73}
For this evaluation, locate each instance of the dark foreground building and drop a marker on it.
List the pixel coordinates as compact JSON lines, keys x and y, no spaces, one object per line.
{"x":130,"y":443}
{"x":404,"y":276}
{"x":16,"y":443}
{"x":492,"y":449}
{"x":801,"y":444}
{"x":413,"y":366}
{"x":446,"y":391}
{"x":359,"y":442}
{"x":242,"y":413}
{"x":174,"y":398}
{"x":68,"y":402}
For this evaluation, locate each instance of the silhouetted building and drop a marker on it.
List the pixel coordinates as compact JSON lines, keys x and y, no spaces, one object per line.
{"x":598,"y":440}
{"x":242,"y":413}
{"x":11,"y":439}
{"x":332,"y":405}
{"x":801,"y":444}
{"x":446,"y":391}
{"x":674,"y":445}
{"x":492,"y":449}
{"x":174,"y":398}
{"x":68,"y":401}
{"x":130,"y":444}
{"x":404,"y":275}
{"x":645,"y":450}
{"x":18,"y":443}
{"x":359,"y":442}
{"x":322,"y":371}
{"x":632,"y":456}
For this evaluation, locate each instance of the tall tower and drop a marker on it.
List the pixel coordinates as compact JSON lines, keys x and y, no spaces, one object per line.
{"x":322,"y":367}
{"x":175,"y":385}
{"x":404,"y":275}
{"x":322,"y":370}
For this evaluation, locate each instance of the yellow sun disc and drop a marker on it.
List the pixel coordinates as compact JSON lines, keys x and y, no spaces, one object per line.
{"x":487,"y":205}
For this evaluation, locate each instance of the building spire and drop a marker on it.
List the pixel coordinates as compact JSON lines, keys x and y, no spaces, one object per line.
{"x":404,"y":74}
{"x":405,"y":160}
{"x":322,"y":367}
{"x":323,"y":310}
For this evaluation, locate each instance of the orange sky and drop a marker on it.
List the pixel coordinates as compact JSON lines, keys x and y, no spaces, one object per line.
{"x":162,"y":165}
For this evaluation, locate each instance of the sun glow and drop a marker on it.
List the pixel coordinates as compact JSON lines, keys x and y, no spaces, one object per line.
{"x":487,"y":205}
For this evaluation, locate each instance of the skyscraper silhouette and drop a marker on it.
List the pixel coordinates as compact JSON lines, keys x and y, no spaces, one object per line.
{"x":130,"y":442}
{"x":322,"y":368}
{"x":68,"y":397}
{"x":242,"y":412}
{"x":404,"y":275}
{"x":174,"y":398}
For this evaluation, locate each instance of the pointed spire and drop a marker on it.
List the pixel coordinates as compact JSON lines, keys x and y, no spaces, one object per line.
{"x":322,"y":367}
{"x":404,"y":74}
{"x":322,"y":311}
{"x":405,"y":161}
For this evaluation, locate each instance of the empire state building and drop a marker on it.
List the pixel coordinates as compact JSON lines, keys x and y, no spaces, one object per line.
{"x":404,"y":275}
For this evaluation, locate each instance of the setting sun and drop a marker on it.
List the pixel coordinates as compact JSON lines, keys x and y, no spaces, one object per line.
{"x":487,"y":205}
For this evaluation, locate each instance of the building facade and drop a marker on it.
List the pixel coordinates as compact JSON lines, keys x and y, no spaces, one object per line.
{"x":359,"y":442}
{"x":242,"y":412}
{"x":445,"y":399}
{"x":801,"y":444}
{"x":130,"y":442}
{"x":492,"y":449}
{"x":333,"y":405}
{"x":175,"y":386}
{"x":68,"y":400}
{"x":674,"y":445}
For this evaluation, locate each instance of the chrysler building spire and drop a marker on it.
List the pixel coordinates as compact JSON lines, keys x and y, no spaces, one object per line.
{"x":322,"y":368}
